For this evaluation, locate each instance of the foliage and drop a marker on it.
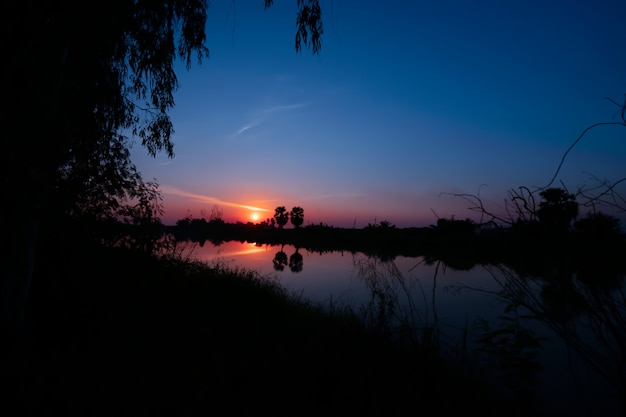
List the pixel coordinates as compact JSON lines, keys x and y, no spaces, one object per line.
{"x":309,"y":24}
{"x":217,"y":334}
{"x":282,"y":216}
{"x":319,"y":226}
{"x":94,"y":191}
{"x":297,"y":216}
{"x":598,"y":226}
{"x":85,"y":80}
{"x":453,"y":227}
{"x":557,"y":210}
{"x":91,"y":76}
{"x":95,"y":75}
{"x":382,"y":225}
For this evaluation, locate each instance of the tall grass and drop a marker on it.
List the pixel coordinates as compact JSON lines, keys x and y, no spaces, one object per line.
{"x":127,"y":332}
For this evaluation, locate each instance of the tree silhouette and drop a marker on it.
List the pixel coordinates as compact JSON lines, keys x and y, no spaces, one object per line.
{"x":297,"y":216}
{"x":86,"y":80}
{"x":557,"y":210}
{"x":520,"y":205}
{"x":282,"y":216}
{"x":599,"y":225}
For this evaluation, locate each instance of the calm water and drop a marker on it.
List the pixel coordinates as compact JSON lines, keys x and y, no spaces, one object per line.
{"x":462,"y":306}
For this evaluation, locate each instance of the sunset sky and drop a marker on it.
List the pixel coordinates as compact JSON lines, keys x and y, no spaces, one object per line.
{"x":407,"y":102}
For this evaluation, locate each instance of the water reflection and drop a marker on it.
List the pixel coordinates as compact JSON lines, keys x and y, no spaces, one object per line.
{"x":280,"y":260}
{"x":507,"y":351}
{"x":588,"y":315}
{"x":517,"y":350}
{"x":295,"y":260}
{"x":401,"y":307}
{"x":389,"y":293}
{"x":551,"y":335}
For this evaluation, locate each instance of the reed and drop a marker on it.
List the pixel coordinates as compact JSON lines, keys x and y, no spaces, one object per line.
{"x":167,"y":335}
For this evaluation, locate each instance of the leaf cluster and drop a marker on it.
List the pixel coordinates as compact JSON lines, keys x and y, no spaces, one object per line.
{"x":309,"y":25}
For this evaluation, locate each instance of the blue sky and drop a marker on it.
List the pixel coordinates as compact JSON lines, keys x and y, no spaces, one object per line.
{"x":407,"y":100}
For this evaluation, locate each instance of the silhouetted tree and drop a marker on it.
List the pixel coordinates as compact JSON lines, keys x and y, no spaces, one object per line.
{"x":557,"y":210}
{"x":453,"y":227}
{"x":598,"y":226}
{"x":282,"y":216}
{"x":386,"y":224}
{"x":297,"y":216}
{"x":87,"y":76}
{"x":383,"y":224}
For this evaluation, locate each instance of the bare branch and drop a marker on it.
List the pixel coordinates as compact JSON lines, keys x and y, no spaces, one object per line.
{"x":558,"y":169}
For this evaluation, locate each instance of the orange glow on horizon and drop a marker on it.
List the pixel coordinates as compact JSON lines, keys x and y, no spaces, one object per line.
{"x":181,"y":203}
{"x":251,"y":208}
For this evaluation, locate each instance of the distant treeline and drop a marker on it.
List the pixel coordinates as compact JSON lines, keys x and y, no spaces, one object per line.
{"x":461,"y":243}
{"x":554,"y":221}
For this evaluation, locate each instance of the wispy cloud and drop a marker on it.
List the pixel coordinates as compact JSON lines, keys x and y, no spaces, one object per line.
{"x":264,"y":113}
{"x":167,"y":189}
{"x":248,"y":126}
{"x":282,"y":108}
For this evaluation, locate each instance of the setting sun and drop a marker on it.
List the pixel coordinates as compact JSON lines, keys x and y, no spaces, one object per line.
{"x":254,"y":216}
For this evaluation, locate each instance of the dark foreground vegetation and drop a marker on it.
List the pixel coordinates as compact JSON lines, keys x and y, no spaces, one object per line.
{"x":136,"y":328}
{"x":96,"y":322}
{"x":115,"y":331}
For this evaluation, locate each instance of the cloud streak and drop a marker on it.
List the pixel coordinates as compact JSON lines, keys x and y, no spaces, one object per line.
{"x":267,"y":112}
{"x":167,"y":189}
{"x":248,"y":126}
{"x":281,"y":108}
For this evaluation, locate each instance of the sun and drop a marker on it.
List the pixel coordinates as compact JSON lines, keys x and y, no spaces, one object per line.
{"x":255,"y":216}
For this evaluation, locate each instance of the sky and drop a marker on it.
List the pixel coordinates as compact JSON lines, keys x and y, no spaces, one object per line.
{"x":408,"y":105}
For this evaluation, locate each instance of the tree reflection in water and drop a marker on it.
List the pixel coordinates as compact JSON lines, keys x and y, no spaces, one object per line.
{"x":280,"y":260}
{"x":589,"y":315}
{"x":295,"y":260}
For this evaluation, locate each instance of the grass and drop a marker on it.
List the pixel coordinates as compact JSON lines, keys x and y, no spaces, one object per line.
{"x":117,"y":332}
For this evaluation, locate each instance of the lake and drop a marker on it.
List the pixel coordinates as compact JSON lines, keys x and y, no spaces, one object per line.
{"x":553,"y":341}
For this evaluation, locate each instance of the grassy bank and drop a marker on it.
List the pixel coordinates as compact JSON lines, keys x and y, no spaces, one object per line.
{"x":116,"y":332}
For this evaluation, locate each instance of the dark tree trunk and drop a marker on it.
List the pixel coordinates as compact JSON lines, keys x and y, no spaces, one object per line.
{"x":21,"y":233}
